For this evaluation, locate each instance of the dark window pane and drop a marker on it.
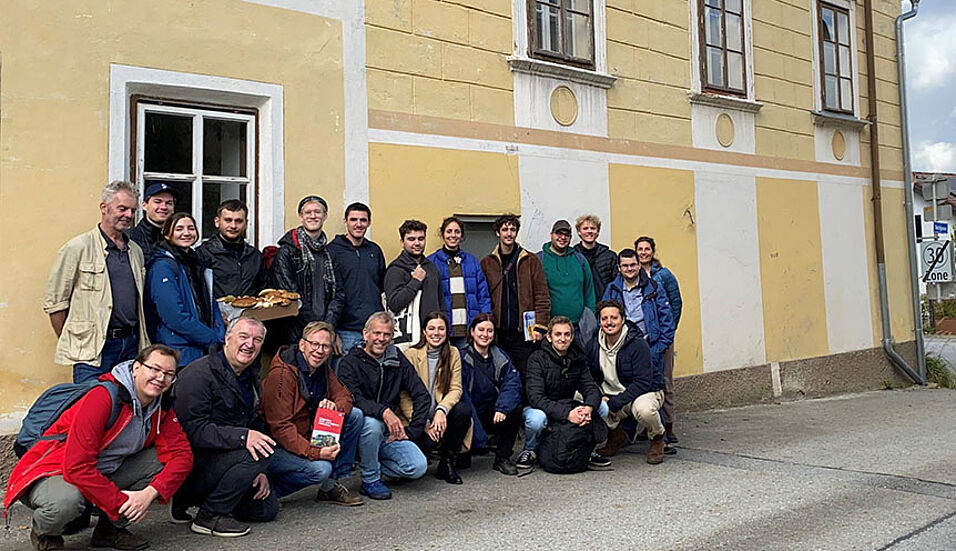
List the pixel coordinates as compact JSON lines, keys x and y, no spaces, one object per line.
{"x":829,"y":58}
{"x":843,"y":28}
{"x":734,"y":33}
{"x":548,"y":37}
{"x":169,"y":143}
{"x":715,"y":67}
{"x":184,"y":193}
{"x":212,"y":196}
{"x":828,"y":30}
{"x":846,"y":94}
{"x":712,"y":34}
{"x":830,"y":93}
{"x":735,"y":71}
{"x":714,"y":3}
{"x":578,"y":36}
{"x":844,"y":61}
{"x":224,"y":147}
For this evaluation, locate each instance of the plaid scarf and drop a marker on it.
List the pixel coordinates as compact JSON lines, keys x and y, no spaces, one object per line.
{"x":310,"y":248}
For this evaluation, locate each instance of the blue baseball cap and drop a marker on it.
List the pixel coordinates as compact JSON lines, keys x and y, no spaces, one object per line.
{"x":160,"y":188}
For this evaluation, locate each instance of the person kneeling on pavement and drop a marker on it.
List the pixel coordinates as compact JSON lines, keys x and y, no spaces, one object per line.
{"x":557,"y":375}
{"x":376,"y":373}
{"x":620,"y":362}
{"x":299,"y":382}
{"x":493,"y":387}
{"x":438,"y":363}
{"x":217,"y":401}
{"x":120,"y":467}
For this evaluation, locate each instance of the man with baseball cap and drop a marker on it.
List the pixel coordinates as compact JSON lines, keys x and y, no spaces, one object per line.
{"x":159,"y":203}
{"x":304,"y":264}
{"x":570,"y":282}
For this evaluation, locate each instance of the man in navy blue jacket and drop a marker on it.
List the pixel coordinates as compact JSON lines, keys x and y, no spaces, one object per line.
{"x":361,"y":264}
{"x":620,"y":363}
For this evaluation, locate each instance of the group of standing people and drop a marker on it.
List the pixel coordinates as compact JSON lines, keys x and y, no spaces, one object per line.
{"x":572,"y":344}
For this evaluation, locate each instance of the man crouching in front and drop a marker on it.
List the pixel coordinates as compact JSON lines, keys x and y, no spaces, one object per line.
{"x":376,"y":372}
{"x":120,"y":467}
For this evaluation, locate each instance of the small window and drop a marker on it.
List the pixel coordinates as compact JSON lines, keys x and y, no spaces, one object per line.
{"x":480,"y":237}
{"x":722,"y":60}
{"x":836,"y":58}
{"x":207,"y":155}
{"x":562,"y":30}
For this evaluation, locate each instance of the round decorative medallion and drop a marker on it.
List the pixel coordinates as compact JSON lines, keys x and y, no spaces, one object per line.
{"x":725,"y":130}
{"x":838,"y":144}
{"x":564,"y":106}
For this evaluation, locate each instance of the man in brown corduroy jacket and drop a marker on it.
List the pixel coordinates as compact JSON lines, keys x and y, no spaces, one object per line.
{"x":300,"y":381}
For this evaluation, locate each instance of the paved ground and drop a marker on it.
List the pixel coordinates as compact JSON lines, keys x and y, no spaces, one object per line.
{"x":943,"y":346}
{"x":869,"y":471}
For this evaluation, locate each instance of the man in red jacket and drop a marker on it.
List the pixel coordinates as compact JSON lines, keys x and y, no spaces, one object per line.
{"x":122,"y":468}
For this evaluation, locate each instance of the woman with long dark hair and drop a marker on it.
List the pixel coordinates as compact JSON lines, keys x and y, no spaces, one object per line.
{"x":439,"y":366}
{"x":646,"y":249}
{"x":464,"y":288}
{"x":180,"y":309}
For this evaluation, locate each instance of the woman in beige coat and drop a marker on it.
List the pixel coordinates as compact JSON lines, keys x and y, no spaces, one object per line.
{"x":439,"y":365}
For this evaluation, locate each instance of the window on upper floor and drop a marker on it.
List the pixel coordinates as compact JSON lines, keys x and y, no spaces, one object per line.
{"x":721,"y":28}
{"x":208,"y":155}
{"x":562,"y":31}
{"x":836,"y":54}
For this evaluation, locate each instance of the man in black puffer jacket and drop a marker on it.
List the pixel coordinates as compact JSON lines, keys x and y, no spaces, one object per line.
{"x":620,"y":362}
{"x":376,"y":372}
{"x":601,"y":259}
{"x":557,"y":371}
{"x":237,"y":267}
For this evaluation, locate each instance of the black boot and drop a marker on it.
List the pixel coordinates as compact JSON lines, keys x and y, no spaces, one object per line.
{"x":446,"y":469}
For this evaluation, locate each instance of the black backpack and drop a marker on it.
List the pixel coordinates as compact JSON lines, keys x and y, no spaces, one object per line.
{"x":566,"y":448}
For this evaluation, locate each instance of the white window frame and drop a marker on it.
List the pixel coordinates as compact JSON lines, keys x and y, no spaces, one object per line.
{"x":818,"y":63}
{"x":197,"y":178}
{"x":127,"y":81}
{"x":746,"y":102}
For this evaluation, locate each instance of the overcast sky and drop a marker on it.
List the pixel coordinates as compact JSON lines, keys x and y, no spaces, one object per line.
{"x":930,"y":42}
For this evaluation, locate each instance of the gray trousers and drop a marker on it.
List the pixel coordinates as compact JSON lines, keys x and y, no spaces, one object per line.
{"x":55,"y":502}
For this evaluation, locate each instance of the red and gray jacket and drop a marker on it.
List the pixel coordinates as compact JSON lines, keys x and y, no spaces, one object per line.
{"x":76,"y":457}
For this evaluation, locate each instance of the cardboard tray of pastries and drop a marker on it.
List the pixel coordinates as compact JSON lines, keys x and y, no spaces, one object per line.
{"x":268,"y":305}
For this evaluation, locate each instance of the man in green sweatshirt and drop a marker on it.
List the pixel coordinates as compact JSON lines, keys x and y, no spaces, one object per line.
{"x":570,"y":282}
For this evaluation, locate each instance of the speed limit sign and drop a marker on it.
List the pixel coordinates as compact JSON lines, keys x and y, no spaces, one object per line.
{"x":937,"y":260}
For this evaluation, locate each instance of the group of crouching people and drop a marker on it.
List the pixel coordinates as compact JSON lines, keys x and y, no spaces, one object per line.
{"x":227,"y":446}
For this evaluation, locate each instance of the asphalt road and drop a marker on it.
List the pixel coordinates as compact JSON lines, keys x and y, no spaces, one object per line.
{"x":870,"y":471}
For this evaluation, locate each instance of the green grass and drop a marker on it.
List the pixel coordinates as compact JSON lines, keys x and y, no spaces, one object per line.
{"x":938,"y":371}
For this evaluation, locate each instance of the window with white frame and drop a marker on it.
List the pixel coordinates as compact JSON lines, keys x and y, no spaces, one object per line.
{"x":721,"y":29}
{"x":207,"y":154}
{"x":836,"y":56}
{"x":562,"y":30}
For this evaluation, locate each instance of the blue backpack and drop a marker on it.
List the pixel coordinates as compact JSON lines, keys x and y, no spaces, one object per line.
{"x":51,"y":405}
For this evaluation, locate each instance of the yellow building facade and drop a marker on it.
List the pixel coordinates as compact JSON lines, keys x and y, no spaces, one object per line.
{"x":732,"y":131}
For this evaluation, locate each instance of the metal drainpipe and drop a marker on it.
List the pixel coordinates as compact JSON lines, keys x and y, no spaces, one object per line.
{"x":908,"y":191}
{"x":888,"y":348}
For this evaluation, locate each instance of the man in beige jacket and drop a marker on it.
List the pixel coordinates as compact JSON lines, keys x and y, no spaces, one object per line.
{"x":94,"y":296}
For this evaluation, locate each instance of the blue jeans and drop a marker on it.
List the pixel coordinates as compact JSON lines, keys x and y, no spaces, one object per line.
{"x":349,"y":340}
{"x":289,"y":473}
{"x":603,"y":410}
{"x":535,"y":421}
{"x":114,"y":351}
{"x":398,"y":459}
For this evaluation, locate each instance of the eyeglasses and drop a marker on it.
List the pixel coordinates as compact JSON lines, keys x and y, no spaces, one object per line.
{"x":318,"y":345}
{"x":157,"y":372}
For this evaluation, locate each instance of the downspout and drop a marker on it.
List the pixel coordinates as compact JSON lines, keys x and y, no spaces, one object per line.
{"x":888,"y":348}
{"x":908,"y":191}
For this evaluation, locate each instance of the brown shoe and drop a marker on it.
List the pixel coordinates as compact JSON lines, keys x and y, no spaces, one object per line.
{"x":615,"y":440}
{"x":655,"y":454}
{"x":669,"y":433}
{"x":106,"y":534}
{"x":339,"y":495}
{"x":46,"y":543}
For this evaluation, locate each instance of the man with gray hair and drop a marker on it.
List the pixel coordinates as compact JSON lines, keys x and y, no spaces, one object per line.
{"x":376,"y":373}
{"x":217,"y":402}
{"x":94,"y":295}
